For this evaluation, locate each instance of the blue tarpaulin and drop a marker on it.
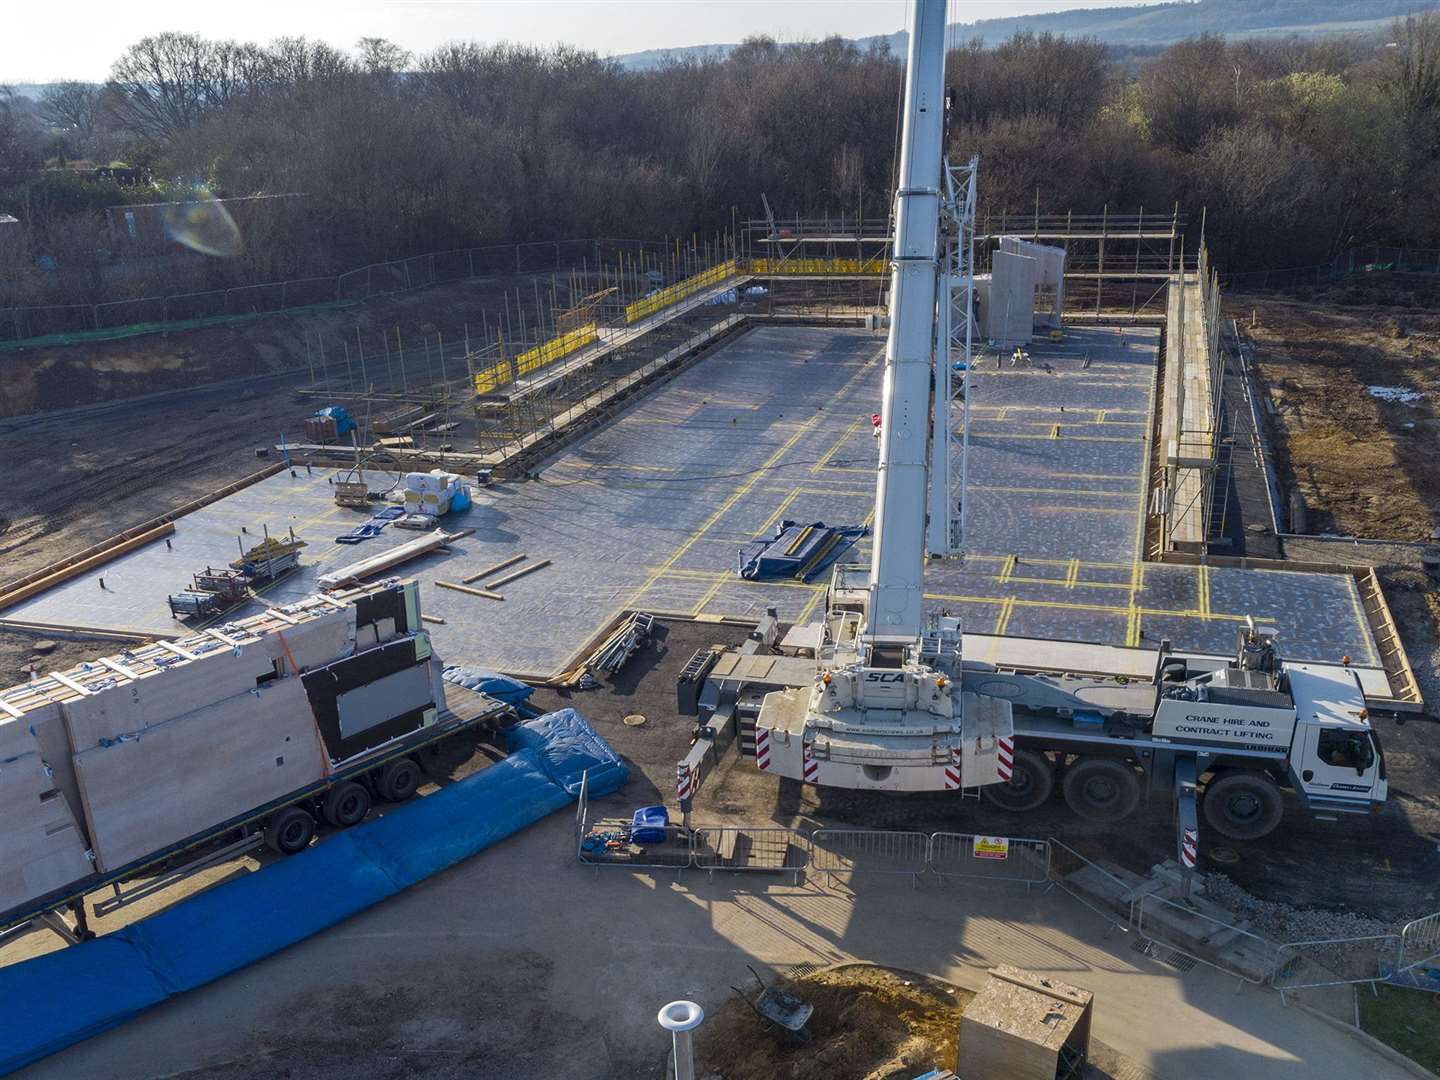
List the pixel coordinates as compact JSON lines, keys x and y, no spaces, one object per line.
{"x":56,"y":1000}
{"x":796,"y":550}
{"x":491,"y":683}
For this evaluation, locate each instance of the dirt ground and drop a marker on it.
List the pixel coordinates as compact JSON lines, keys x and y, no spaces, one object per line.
{"x":869,"y":1023}
{"x":1364,"y":466}
{"x":56,"y":377}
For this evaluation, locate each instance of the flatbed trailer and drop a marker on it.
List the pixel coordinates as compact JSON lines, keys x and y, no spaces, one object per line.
{"x":366,"y":744}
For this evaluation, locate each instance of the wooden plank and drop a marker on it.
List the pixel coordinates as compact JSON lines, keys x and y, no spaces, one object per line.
{"x":177,"y":650}
{"x":432,"y":619}
{"x":472,"y":592}
{"x":65,"y":680}
{"x":501,"y":565}
{"x":118,"y":668}
{"x":6,"y":707}
{"x":218,"y":636}
{"x":518,"y":574}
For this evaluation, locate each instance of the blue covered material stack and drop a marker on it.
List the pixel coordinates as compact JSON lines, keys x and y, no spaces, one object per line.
{"x":491,"y":683}
{"x":61,"y":998}
{"x":797,"y":551}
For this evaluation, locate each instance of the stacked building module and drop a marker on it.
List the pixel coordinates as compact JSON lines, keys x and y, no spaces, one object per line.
{"x":109,"y":764}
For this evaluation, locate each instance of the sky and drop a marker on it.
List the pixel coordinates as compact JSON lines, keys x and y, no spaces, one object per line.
{"x":45,"y":40}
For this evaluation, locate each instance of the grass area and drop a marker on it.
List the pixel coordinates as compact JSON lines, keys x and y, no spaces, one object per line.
{"x":1408,"y":1020}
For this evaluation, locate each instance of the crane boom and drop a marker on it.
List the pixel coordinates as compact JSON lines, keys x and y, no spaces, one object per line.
{"x":901,"y":487}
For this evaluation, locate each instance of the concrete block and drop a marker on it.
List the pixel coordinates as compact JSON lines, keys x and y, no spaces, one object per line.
{"x":41,"y":846}
{"x":187,"y":774}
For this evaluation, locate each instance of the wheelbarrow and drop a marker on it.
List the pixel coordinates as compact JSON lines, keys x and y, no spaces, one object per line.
{"x":778,"y":1008}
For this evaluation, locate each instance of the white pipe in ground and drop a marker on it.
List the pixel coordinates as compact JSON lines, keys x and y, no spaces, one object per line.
{"x":680,"y":1018}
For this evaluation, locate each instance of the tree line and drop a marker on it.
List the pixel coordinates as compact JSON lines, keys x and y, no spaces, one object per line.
{"x":1296,"y":149}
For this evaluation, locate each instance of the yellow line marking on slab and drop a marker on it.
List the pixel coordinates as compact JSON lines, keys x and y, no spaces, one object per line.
{"x":1006,"y":569}
{"x":1054,"y":431}
{"x":834,"y":449}
{"x":810,"y":605}
{"x":1073,"y":574}
{"x":1202,"y":586}
{"x":1002,"y":618}
{"x":1050,"y":491}
{"x":1055,"y":435}
{"x":1132,"y":627}
{"x":1066,"y":583}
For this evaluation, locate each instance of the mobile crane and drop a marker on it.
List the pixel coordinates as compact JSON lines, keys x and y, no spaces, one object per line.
{"x":887,"y":702}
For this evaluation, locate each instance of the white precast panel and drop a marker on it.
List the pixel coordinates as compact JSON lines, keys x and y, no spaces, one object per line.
{"x":897,"y":563}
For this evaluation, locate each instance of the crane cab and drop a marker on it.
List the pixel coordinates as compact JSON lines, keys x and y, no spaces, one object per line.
{"x":1336,"y":763}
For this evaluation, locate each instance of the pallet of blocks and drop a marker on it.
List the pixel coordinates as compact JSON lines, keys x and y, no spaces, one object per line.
{"x":108,"y":763}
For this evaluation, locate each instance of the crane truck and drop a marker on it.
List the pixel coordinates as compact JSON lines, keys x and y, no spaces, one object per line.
{"x":886,"y":701}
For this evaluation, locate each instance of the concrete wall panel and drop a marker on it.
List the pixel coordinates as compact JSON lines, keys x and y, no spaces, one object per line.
{"x":187,"y":774}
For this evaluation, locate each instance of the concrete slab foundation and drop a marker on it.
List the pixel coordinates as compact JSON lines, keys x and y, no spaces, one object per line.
{"x":649,"y":512}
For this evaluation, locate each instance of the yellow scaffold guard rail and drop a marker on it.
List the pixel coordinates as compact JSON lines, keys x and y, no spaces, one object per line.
{"x":497,"y":375}
{"x":673,"y":294}
{"x":874,"y":265}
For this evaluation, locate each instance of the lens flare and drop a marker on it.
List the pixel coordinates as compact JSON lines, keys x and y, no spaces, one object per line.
{"x":204,"y":225}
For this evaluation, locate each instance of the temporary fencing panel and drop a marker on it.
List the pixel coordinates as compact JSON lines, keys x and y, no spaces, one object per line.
{"x":1336,"y":961}
{"x":673,"y":294}
{"x":1420,"y":942}
{"x":1069,"y":869}
{"x":771,"y":850}
{"x":864,"y":851}
{"x":1222,"y":945}
{"x":993,"y":858}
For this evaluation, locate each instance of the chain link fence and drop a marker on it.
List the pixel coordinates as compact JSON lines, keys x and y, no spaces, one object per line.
{"x":190,"y":309}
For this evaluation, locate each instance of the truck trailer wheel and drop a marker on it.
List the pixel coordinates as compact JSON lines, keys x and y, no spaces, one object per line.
{"x":1031,"y":782}
{"x":398,"y":780}
{"x":1102,"y":789}
{"x":346,"y":804}
{"x":1243,"y":805}
{"x":289,"y":831}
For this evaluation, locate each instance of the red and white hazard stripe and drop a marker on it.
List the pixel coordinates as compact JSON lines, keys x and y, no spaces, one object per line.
{"x":812,"y":767}
{"x":762,"y":748}
{"x":952,"y":771}
{"x":684,"y":781}
{"x":1189,"y":849}
{"x":1005,"y":758}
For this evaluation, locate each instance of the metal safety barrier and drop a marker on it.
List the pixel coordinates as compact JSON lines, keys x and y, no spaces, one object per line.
{"x":1302,"y":965}
{"x":1067,"y":865}
{"x":868,"y":851}
{"x":1420,"y":942}
{"x":1214,"y":942}
{"x":755,"y":850}
{"x":990,"y":858}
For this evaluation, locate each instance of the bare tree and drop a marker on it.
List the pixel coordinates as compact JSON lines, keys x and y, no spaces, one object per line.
{"x":168,"y":82}
{"x":72,"y":106}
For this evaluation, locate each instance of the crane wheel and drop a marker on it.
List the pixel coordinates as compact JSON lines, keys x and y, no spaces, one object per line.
{"x":398,"y":780}
{"x":1243,"y":805}
{"x":289,"y":831}
{"x":346,"y":804}
{"x":1032,"y":781}
{"x":1102,"y":789}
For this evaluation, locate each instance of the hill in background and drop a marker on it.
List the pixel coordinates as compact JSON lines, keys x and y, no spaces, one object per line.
{"x":1143,"y":24}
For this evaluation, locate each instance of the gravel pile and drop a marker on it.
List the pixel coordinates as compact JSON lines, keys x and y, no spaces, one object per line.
{"x":1281,"y":922}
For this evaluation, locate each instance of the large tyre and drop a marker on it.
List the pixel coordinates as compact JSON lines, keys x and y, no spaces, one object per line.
{"x":1102,"y":789}
{"x":289,"y":831}
{"x":346,"y":804}
{"x":398,"y":780}
{"x":1031,"y":782}
{"x":1243,"y":805}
